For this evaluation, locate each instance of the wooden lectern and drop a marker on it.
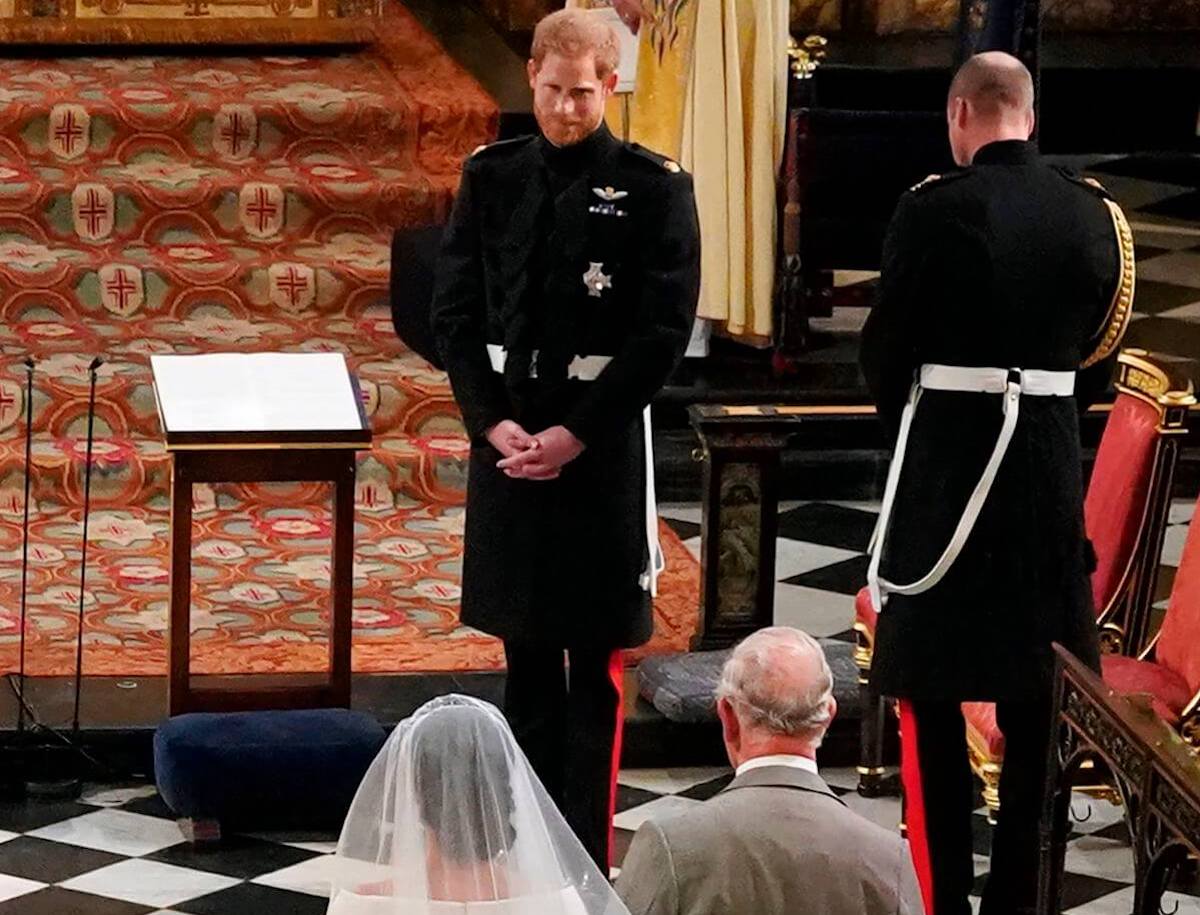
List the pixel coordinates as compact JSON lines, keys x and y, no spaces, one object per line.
{"x":260,"y":418}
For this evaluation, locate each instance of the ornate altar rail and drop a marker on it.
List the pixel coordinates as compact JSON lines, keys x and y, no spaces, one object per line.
{"x":1149,"y":765}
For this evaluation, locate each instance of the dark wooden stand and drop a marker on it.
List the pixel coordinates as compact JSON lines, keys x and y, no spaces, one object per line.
{"x":741,"y":448}
{"x":1152,"y":769}
{"x":262,"y":458}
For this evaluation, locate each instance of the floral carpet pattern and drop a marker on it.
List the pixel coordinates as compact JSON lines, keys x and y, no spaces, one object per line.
{"x":186,"y":205}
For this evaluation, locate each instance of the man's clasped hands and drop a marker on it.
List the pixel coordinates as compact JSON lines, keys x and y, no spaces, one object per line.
{"x":533,"y":457}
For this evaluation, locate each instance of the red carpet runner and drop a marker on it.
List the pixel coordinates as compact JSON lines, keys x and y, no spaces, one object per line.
{"x":190,"y":205}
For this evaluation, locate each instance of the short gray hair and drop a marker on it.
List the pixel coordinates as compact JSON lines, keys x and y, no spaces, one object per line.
{"x":778,"y":679}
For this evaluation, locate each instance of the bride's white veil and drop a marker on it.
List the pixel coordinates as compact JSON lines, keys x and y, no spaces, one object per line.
{"x":451,"y":818}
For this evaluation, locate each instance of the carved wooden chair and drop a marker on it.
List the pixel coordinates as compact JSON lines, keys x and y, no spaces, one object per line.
{"x":1168,"y":669}
{"x":1125,"y":513}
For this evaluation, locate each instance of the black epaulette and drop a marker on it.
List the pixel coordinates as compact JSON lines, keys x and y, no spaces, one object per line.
{"x":502,"y":145}
{"x":1090,"y":183}
{"x":934,"y":181}
{"x":660,"y":161}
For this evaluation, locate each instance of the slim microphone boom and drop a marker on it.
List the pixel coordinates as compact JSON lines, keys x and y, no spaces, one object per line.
{"x":87,"y":503}
{"x":29,"y":364}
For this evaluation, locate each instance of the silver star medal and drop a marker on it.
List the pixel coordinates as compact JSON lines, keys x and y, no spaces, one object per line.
{"x":596,"y":279}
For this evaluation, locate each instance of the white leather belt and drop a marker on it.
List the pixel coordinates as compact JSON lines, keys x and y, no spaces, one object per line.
{"x":582,"y":368}
{"x":588,"y":368}
{"x":1036,"y":382}
{"x":1012,"y":384}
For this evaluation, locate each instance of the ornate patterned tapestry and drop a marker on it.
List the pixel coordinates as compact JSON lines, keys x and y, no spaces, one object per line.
{"x":240,"y":22}
{"x":1121,"y":15}
{"x":816,"y":15}
{"x":889,"y":16}
{"x":916,"y":15}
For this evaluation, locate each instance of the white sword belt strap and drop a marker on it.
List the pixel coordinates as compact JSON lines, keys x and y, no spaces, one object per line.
{"x":1012,"y":384}
{"x":588,"y":368}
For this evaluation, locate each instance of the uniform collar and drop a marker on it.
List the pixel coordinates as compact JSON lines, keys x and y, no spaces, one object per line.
{"x":1006,"y":152}
{"x":584,"y":154}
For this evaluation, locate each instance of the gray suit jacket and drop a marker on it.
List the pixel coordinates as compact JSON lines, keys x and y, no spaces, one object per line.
{"x":777,"y":841}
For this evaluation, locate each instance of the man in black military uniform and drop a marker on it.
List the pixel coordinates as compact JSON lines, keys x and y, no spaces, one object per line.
{"x":1006,"y":289}
{"x":565,"y":297}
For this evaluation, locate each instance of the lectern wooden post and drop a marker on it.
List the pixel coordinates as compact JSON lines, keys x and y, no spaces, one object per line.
{"x":260,"y":418}
{"x":741,"y":448}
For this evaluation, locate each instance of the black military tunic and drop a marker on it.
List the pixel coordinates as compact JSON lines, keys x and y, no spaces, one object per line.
{"x":1014,"y":264}
{"x":1008,"y":264}
{"x":560,"y":561}
{"x":586,"y":255}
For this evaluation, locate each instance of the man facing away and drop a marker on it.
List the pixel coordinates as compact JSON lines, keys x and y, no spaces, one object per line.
{"x":565,"y":297}
{"x":777,"y":840}
{"x":1005,"y":290}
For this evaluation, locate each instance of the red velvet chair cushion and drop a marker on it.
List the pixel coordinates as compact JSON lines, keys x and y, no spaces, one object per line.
{"x":864,"y":612}
{"x":1178,"y":647}
{"x":1118,"y":489}
{"x":1129,"y":675}
{"x":981,"y":719}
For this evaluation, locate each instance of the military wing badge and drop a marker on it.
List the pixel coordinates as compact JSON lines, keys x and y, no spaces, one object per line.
{"x":609,"y":196}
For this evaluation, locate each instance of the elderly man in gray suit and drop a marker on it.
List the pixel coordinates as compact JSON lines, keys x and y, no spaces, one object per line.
{"x":777,"y":840}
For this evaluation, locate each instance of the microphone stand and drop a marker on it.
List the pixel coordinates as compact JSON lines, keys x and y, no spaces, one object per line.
{"x":25,"y":543}
{"x":87,"y":504}
{"x":65,"y":760}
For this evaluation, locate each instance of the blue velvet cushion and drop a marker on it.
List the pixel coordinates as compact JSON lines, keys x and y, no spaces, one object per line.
{"x":683,"y":686}
{"x":277,"y":769}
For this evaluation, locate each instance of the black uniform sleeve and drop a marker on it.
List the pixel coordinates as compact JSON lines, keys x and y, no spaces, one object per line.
{"x":889,"y":355}
{"x":662,"y":324}
{"x":1093,"y":383}
{"x":459,"y":316}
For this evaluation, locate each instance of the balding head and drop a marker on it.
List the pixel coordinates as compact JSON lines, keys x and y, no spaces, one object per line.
{"x":778,"y":684}
{"x":991,"y":98}
{"x":995,"y":84}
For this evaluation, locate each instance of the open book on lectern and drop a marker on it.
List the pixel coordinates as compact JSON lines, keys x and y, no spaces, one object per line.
{"x":271,"y":395}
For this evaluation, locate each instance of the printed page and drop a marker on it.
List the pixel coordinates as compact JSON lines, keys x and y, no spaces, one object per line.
{"x":256,"y":392}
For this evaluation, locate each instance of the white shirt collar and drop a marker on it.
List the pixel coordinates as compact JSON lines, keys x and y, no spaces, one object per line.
{"x":780,"y":759}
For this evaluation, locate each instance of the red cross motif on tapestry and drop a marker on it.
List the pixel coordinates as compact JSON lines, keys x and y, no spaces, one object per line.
{"x":94,"y":210}
{"x":70,"y":129}
{"x":235,"y":131}
{"x":293,"y":286}
{"x":11,"y":401}
{"x":122,"y":290}
{"x":370,"y":396}
{"x":13,"y":504}
{"x":261,"y":209}
{"x":372,"y":496}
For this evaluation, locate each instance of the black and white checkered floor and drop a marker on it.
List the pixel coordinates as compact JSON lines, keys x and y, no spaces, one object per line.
{"x":118,"y":851}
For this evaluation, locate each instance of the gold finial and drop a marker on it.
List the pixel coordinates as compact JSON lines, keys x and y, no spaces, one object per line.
{"x":807,"y":56}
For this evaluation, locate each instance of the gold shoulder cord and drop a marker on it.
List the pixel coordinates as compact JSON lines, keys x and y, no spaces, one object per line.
{"x":1121,"y":310}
